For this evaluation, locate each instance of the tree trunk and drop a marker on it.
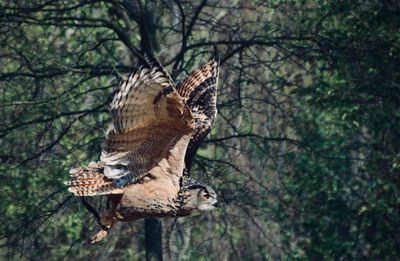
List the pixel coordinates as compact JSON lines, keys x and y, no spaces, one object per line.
{"x":153,"y":244}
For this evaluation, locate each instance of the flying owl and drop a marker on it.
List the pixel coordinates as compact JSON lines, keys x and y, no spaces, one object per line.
{"x":148,"y":151}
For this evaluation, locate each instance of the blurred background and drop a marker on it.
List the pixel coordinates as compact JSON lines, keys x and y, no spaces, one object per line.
{"x":304,"y":154}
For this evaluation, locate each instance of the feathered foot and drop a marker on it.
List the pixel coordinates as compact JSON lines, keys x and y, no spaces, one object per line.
{"x":107,"y":220}
{"x":99,"y":236}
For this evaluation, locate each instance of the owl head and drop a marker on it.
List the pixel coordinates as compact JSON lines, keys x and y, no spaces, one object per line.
{"x":199,"y":196}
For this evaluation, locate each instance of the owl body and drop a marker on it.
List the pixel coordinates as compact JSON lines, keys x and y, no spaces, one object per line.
{"x":147,"y":155}
{"x":137,"y":203}
{"x":150,"y":197}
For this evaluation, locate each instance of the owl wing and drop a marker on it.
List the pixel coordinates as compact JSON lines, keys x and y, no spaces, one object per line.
{"x":148,"y":119}
{"x":199,"y":91}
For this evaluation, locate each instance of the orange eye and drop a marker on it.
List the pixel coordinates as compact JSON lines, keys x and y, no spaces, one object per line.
{"x":206,"y":195}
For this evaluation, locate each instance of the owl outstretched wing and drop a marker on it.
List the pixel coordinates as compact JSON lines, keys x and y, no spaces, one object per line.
{"x":148,"y":119}
{"x":199,"y":92}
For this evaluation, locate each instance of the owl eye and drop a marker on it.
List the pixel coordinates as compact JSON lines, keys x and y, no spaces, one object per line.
{"x":206,"y":195}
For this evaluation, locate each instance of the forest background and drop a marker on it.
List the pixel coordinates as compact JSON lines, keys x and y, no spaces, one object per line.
{"x":304,"y":154}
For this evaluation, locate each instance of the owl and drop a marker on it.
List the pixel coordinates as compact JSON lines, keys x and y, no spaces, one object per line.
{"x":148,"y":151}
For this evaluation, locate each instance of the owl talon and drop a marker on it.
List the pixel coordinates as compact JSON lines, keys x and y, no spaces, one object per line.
{"x":99,"y":236}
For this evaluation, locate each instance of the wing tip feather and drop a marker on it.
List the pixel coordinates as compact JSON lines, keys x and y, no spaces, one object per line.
{"x":216,"y":56}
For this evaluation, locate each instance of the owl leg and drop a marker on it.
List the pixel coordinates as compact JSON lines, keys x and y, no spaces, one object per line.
{"x":107,"y":220}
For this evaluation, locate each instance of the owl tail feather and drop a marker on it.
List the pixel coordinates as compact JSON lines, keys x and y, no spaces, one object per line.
{"x":90,"y":181}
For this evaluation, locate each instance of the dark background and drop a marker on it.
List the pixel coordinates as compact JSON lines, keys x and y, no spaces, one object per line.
{"x":304,"y":154}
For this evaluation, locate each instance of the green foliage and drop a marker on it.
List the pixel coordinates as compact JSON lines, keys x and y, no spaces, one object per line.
{"x":304,"y":155}
{"x":343,"y":185}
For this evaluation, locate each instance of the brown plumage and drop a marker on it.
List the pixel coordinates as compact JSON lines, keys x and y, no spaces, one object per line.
{"x":199,"y":91}
{"x":89,"y":181}
{"x":156,"y":130}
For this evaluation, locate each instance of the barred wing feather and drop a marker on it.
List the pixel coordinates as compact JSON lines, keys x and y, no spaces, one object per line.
{"x":149,"y":118}
{"x":199,"y":91}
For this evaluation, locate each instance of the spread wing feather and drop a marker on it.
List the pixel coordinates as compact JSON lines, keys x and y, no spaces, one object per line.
{"x":199,"y":91}
{"x":90,"y":181}
{"x":149,"y":118}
